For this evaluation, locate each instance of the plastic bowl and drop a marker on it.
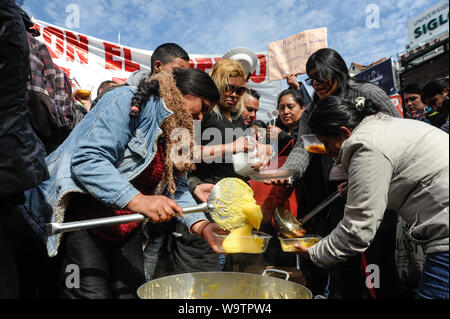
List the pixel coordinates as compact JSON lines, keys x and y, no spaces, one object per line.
{"x":242,"y":163}
{"x":288,"y":244}
{"x":260,"y":236}
{"x":313,"y":145}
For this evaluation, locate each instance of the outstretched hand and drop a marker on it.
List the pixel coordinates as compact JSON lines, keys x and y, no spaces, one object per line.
{"x":302,"y":251}
{"x":202,"y":191}
{"x":343,"y":189}
{"x":207,"y":230}
{"x":279,"y":182}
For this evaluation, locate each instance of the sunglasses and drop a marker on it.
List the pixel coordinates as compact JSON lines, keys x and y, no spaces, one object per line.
{"x":410,"y":99}
{"x":229,"y":89}
{"x":311,"y":79}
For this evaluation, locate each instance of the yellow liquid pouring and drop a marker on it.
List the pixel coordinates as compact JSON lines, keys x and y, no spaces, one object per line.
{"x":242,"y":209}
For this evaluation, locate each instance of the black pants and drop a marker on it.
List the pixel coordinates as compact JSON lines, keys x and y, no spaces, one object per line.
{"x":107,"y":270}
{"x":347,"y":279}
{"x":9,"y":275}
{"x":37,"y":271}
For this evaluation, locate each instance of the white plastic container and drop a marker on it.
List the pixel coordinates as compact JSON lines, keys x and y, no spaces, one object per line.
{"x":313,"y":145}
{"x":242,"y":162}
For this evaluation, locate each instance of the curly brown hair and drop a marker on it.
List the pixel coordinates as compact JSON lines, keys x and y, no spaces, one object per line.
{"x":177,"y":129}
{"x":162,"y":85}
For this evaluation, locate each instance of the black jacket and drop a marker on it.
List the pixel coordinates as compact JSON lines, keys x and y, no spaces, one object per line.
{"x":221,"y":168}
{"x":439,"y":118}
{"x":22,"y":155}
{"x":284,"y":138}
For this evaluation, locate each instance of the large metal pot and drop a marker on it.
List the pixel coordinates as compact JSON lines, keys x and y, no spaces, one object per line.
{"x":222,"y":285}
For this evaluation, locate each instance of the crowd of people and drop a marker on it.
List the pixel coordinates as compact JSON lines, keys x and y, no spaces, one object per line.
{"x":122,"y":153}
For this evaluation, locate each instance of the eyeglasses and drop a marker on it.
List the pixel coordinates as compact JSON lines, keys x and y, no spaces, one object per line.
{"x":411,"y":99}
{"x":229,"y":89}
{"x":311,"y":79}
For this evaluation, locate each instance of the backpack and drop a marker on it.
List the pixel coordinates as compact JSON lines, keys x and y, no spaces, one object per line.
{"x":49,"y":97}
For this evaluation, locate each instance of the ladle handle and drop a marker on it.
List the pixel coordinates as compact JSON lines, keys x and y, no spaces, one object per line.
{"x":203,"y":207}
{"x":56,"y":228}
{"x":319,"y":207}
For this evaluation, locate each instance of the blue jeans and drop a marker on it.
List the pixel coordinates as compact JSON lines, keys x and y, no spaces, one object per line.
{"x":151,"y":255}
{"x":434,"y":281}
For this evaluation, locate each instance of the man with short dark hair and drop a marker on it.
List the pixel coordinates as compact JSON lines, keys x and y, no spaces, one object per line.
{"x":251,"y":106}
{"x":167,"y":57}
{"x":104,"y":85}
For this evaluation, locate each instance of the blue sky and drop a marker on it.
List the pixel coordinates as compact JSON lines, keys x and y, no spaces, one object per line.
{"x":214,"y":27}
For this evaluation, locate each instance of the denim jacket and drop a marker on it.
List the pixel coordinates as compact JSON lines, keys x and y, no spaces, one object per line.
{"x":103,"y":153}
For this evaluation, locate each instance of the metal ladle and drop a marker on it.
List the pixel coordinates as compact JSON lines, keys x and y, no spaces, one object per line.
{"x":219,"y":200}
{"x":267,"y":175}
{"x":290,"y":227}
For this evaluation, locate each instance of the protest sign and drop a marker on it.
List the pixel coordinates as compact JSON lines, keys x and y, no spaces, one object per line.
{"x":290,"y":55}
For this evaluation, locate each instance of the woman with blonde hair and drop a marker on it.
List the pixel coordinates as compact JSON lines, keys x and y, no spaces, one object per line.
{"x":222,"y":134}
{"x":222,"y":130}
{"x":228,"y":75}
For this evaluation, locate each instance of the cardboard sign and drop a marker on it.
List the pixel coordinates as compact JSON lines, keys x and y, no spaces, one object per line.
{"x":291,"y":54}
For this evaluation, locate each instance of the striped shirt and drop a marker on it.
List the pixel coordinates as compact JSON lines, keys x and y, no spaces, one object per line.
{"x":299,"y":158}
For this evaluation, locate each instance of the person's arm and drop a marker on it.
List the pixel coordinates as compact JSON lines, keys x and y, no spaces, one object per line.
{"x":291,"y":81}
{"x":197,"y":223}
{"x":284,"y":139}
{"x":87,"y":103}
{"x":211,"y":152}
{"x":211,"y":148}
{"x":379,"y":97}
{"x":445,"y":127}
{"x":193,"y":181}
{"x":94,"y":161}
{"x":198,"y":188}
{"x":370,"y":174}
{"x":299,"y":158}
{"x":100,"y":148}
{"x":184,"y":198}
